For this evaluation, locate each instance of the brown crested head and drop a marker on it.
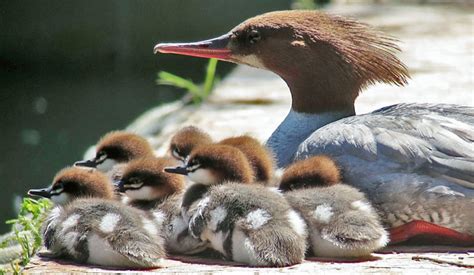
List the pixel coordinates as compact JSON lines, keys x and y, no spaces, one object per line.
{"x":185,"y":140}
{"x":215,"y":163}
{"x":145,"y":179}
{"x":326,"y":60}
{"x":73,"y":182}
{"x":123,"y":146}
{"x":317,"y":171}
{"x":258,"y":155}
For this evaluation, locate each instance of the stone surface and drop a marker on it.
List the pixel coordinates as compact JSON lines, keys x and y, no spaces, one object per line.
{"x":437,"y":43}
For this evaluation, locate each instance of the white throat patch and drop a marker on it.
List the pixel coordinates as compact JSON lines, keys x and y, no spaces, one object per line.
{"x":203,"y":176}
{"x":107,"y":165}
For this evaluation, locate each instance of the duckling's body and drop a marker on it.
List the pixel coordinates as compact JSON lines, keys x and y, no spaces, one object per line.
{"x":105,"y":233}
{"x":341,"y":221}
{"x":249,"y":224}
{"x":244,"y":222}
{"x":88,"y":226}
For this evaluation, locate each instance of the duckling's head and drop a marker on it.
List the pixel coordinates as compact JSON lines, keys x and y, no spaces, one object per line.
{"x":185,"y":140}
{"x":316,"y":171}
{"x":117,"y":147}
{"x":215,"y":164}
{"x":145,"y":179}
{"x":74,"y":182}
{"x":325,"y":59}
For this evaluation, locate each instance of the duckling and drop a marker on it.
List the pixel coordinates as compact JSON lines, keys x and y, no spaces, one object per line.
{"x":87,"y":226}
{"x":185,"y":140}
{"x":146,"y":184}
{"x":261,"y":160}
{"x":341,"y":221}
{"x":114,"y":150}
{"x":245,"y":223}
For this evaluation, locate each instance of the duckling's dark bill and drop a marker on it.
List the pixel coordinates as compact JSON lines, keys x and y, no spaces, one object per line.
{"x":212,"y":48}
{"x":45,"y":192}
{"x":86,"y":163}
{"x":177,"y":170}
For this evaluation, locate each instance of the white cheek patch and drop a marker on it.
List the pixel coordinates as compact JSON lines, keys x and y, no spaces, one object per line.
{"x":323,"y":213}
{"x":60,"y":199}
{"x":251,"y":60}
{"x":107,"y":165}
{"x":258,"y":218}
{"x":144,"y":193}
{"x":202,"y":176}
{"x":108,"y":223}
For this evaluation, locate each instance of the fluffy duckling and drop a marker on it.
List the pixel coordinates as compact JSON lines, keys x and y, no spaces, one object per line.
{"x":245,"y":223}
{"x":260,"y":158}
{"x":87,"y":226}
{"x":341,"y":221}
{"x":185,"y":140}
{"x":145,"y":184}
{"x":114,"y":150}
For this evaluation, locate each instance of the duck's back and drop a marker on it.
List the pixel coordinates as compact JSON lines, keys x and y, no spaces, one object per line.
{"x":414,"y":161}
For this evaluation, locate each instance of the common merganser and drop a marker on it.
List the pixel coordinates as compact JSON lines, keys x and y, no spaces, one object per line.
{"x":341,"y":221}
{"x":245,"y":222}
{"x":88,"y":226}
{"x":261,"y":159}
{"x":415,"y":162}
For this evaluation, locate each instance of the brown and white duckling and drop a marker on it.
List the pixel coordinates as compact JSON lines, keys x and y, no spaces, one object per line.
{"x":185,"y":140}
{"x":245,"y":223}
{"x":341,"y":221}
{"x":260,"y":158}
{"x":146,"y":186}
{"x":87,"y":226}
{"x":114,"y":150}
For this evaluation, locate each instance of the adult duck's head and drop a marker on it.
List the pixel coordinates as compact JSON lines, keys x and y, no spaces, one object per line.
{"x":326,"y":60}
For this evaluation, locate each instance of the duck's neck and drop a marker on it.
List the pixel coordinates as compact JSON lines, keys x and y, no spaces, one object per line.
{"x":295,"y":129}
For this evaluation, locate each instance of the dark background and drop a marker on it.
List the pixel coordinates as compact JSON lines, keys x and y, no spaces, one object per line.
{"x":71,"y":71}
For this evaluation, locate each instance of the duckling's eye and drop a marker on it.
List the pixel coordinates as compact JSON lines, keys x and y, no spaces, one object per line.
{"x":253,"y":36}
{"x":100,"y":157}
{"x":57,"y":188}
{"x":193,"y":165}
{"x":134,"y":183}
{"x":170,"y":227}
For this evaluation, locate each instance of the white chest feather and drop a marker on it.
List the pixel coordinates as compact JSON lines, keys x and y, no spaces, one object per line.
{"x":101,"y":253}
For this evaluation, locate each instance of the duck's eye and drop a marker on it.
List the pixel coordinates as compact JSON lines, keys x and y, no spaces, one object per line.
{"x":100,"y":157}
{"x":170,"y":227}
{"x":253,"y":36}
{"x":134,"y":183}
{"x":57,"y":188}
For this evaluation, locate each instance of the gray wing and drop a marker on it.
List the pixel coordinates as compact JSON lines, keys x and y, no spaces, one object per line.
{"x":414,"y":161}
{"x":429,"y":140}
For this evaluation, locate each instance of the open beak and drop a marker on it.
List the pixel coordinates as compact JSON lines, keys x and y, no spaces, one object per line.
{"x":177,"y":170}
{"x":212,"y":48}
{"x":45,"y":192}
{"x":86,"y":163}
